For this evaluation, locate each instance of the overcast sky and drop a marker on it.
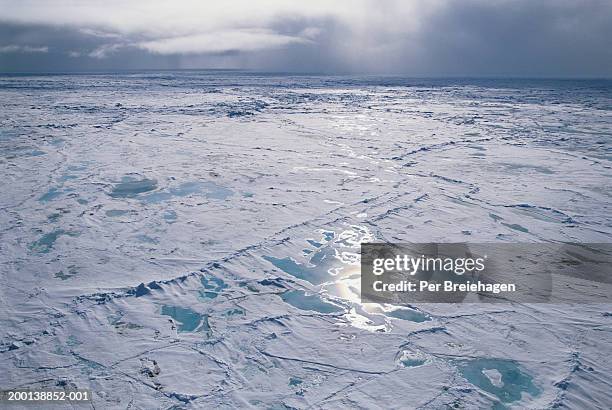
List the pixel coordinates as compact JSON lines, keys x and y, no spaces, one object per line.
{"x":553,"y":38}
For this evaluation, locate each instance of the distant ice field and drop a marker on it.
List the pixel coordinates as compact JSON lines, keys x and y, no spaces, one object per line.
{"x":192,"y":239}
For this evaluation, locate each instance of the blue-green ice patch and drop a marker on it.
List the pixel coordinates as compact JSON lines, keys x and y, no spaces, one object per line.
{"x":187,"y":320}
{"x":300,"y":300}
{"x":50,"y":195}
{"x":116,"y":212}
{"x":294,"y":381}
{"x":328,"y":235}
{"x":170,"y":216}
{"x":300,"y":271}
{"x":502,"y":378}
{"x":212,"y":287}
{"x":409,"y":315}
{"x":46,"y":242}
{"x":130,"y":187}
{"x":316,"y":272}
{"x":314,"y":243}
{"x":516,"y":227}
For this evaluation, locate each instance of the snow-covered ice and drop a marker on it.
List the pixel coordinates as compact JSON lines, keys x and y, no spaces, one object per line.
{"x":191,"y":239}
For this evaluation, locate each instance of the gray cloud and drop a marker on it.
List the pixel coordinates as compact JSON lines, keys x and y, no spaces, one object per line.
{"x":220,"y":42}
{"x":411,"y":37}
{"x":104,"y":50}
{"x":13,"y":48}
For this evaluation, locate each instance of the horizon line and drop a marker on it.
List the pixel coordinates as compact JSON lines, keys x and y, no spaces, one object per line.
{"x":304,"y":73}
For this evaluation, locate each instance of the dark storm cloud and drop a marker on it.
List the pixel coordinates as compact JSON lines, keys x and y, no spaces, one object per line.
{"x":423,"y":38}
{"x":560,"y":38}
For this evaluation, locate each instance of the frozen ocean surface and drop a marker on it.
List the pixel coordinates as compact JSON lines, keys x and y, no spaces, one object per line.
{"x":191,"y":239}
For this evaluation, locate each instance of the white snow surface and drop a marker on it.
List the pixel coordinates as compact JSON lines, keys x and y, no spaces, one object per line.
{"x":191,"y":239}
